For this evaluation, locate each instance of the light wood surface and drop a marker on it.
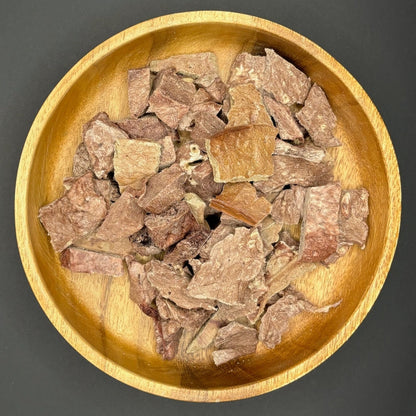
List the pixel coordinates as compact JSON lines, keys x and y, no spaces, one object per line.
{"x":94,"y":313}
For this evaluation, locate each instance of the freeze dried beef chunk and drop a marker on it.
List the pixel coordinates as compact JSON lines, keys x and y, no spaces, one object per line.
{"x":78,"y":212}
{"x":288,"y":205}
{"x":296,"y":171}
{"x":171,"y":98}
{"x":81,"y":164}
{"x":135,"y":161}
{"x":242,"y":153}
{"x":286,"y":83}
{"x":163,"y":190}
{"x":269,"y":230}
{"x":318,"y":118}
{"x":125,"y":217}
{"x":320,"y":229}
{"x":201,"y":182}
{"x":213,"y":85}
{"x":170,"y":226}
{"x":187,"y":248}
{"x":145,"y":127}
{"x":275,"y":322}
{"x":123,"y":247}
{"x":307,"y":151}
{"x":207,"y":333}
{"x":141,"y":291}
{"x":100,"y":135}
{"x":79,"y":260}
{"x":168,"y":334}
{"x":108,"y":189}
{"x":171,"y":283}
{"x":193,"y":65}
{"x":238,"y":259}
{"x":233,"y":341}
{"x":168,"y":152}
{"x":240,"y":201}
{"x":187,"y":154}
{"x":247,"y":68}
{"x":139,"y":86}
{"x":197,"y":207}
{"x":246,"y":107}
{"x":216,"y":235}
{"x":289,"y":129}
{"x":143,"y":244}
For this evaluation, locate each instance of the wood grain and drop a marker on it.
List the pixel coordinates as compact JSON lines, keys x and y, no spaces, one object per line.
{"x":94,"y":313}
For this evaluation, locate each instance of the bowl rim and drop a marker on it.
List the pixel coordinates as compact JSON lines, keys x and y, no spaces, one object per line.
{"x":69,"y":332}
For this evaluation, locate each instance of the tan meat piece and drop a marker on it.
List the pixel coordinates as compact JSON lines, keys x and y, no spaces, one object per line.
{"x":307,"y":151}
{"x":79,"y":260}
{"x":242,"y":153}
{"x":121,"y":247}
{"x":135,"y":161}
{"x":125,"y":217}
{"x":216,"y":235}
{"x":269,"y":231}
{"x":238,"y":259}
{"x":246,"y":107}
{"x":286,"y":123}
{"x":108,"y":189}
{"x":241,"y":202}
{"x":187,"y":154}
{"x":139,"y":86}
{"x":168,"y":152}
{"x":168,"y":335}
{"x":320,"y":229}
{"x":143,"y":244}
{"x":197,"y":207}
{"x":296,"y":171}
{"x":163,"y":190}
{"x":318,"y":118}
{"x":81,"y":164}
{"x":100,"y":136}
{"x":77,"y":213}
{"x":247,"y":68}
{"x":214,"y":86}
{"x":286,"y":83}
{"x":233,"y":341}
{"x":171,"y":226}
{"x":288,"y":205}
{"x":146,"y":127}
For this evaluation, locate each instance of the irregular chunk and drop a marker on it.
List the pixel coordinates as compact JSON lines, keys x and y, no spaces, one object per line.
{"x":191,"y":65}
{"x":275,"y":321}
{"x":108,"y":189}
{"x":201,"y":96}
{"x":307,"y":151}
{"x":79,"y":260}
{"x":242,"y":153}
{"x":143,"y":244}
{"x":246,"y":107}
{"x":141,"y":291}
{"x":123,"y":247}
{"x":197,"y":207}
{"x":286,"y":83}
{"x":288,"y":205}
{"x":269,"y":232}
{"x":187,"y":154}
{"x":146,"y":127}
{"x":293,"y":170}
{"x":168,"y":153}
{"x":213,"y":85}
{"x":288,"y":127}
{"x":100,"y":135}
{"x":81,"y":164}
{"x":139,"y":86}
{"x":78,"y":212}
{"x":217,"y":235}
{"x":240,"y":201}
{"x":320,"y":229}
{"x":247,"y":68}
{"x":171,"y":98}
{"x":233,"y":341}
{"x":238,"y":259}
{"x":172,"y":283}
{"x":170,"y":226}
{"x":163,"y":190}
{"x":187,"y":248}
{"x":318,"y":118}
{"x":135,"y":161}
{"x":125,"y":217}
{"x":168,"y":334}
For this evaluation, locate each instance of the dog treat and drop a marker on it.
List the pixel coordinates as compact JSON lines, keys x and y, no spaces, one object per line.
{"x":200,"y":191}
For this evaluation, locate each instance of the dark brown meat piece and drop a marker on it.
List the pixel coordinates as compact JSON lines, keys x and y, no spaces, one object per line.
{"x":100,"y":135}
{"x":286,"y":83}
{"x":146,"y":127}
{"x":125,"y":217}
{"x":187,"y":248}
{"x":79,"y":260}
{"x":296,"y":171}
{"x":78,"y":212}
{"x":286,"y":123}
{"x":233,"y":341}
{"x":288,"y":205}
{"x":81,"y":164}
{"x":307,"y":151}
{"x":163,"y":190}
{"x":318,"y":118}
{"x":139,"y":86}
{"x":171,"y":226}
{"x":320,"y":229}
{"x":247,"y":68}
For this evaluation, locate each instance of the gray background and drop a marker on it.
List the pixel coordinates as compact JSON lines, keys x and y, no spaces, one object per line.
{"x":372,"y":374}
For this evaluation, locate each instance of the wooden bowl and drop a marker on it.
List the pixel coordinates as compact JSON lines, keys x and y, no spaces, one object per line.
{"x":94,"y":313}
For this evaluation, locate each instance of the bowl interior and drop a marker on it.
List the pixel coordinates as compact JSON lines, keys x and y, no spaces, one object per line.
{"x":98,"y":308}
